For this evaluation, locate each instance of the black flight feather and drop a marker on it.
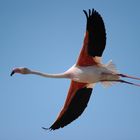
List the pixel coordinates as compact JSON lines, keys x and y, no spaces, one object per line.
{"x":97,"y":34}
{"x":75,"y":108}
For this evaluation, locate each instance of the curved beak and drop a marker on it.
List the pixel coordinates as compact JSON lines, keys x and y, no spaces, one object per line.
{"x":12,"y":73}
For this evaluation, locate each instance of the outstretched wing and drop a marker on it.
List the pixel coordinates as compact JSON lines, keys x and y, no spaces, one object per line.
{"x":76,"y":102}
{"x":79,"y":93}
{"x":94,"y":41}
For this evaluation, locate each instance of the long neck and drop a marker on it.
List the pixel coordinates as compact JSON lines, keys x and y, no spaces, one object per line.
{"x":61,"y":75}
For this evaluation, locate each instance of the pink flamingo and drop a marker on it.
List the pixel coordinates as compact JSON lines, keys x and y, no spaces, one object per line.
{"x":87,"y":71}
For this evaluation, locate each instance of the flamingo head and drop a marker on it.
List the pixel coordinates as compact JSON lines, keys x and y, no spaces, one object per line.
{"x":21,"y":71}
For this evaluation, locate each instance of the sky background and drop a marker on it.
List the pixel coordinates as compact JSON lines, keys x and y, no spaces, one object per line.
{"x":47,"y":35}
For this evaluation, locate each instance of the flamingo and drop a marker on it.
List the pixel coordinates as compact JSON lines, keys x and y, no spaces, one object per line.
{"x":87,"y":71}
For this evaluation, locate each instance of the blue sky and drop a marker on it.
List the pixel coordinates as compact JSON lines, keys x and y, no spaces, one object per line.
{"x":47,"y":35}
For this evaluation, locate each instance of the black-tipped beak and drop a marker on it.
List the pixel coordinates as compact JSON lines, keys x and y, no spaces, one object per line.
{"x":12,"y":73}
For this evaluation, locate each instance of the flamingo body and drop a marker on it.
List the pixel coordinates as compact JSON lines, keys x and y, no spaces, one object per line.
{"x":91,"y":74}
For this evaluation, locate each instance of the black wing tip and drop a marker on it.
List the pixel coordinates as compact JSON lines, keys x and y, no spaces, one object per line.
{"x":85,"y":12}
{"x":90,"y":12}
{"x":47,"y":129}
{"x":97,"y":34}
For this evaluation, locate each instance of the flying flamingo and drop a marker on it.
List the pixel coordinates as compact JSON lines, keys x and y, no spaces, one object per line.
{"x":87,"y":71}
